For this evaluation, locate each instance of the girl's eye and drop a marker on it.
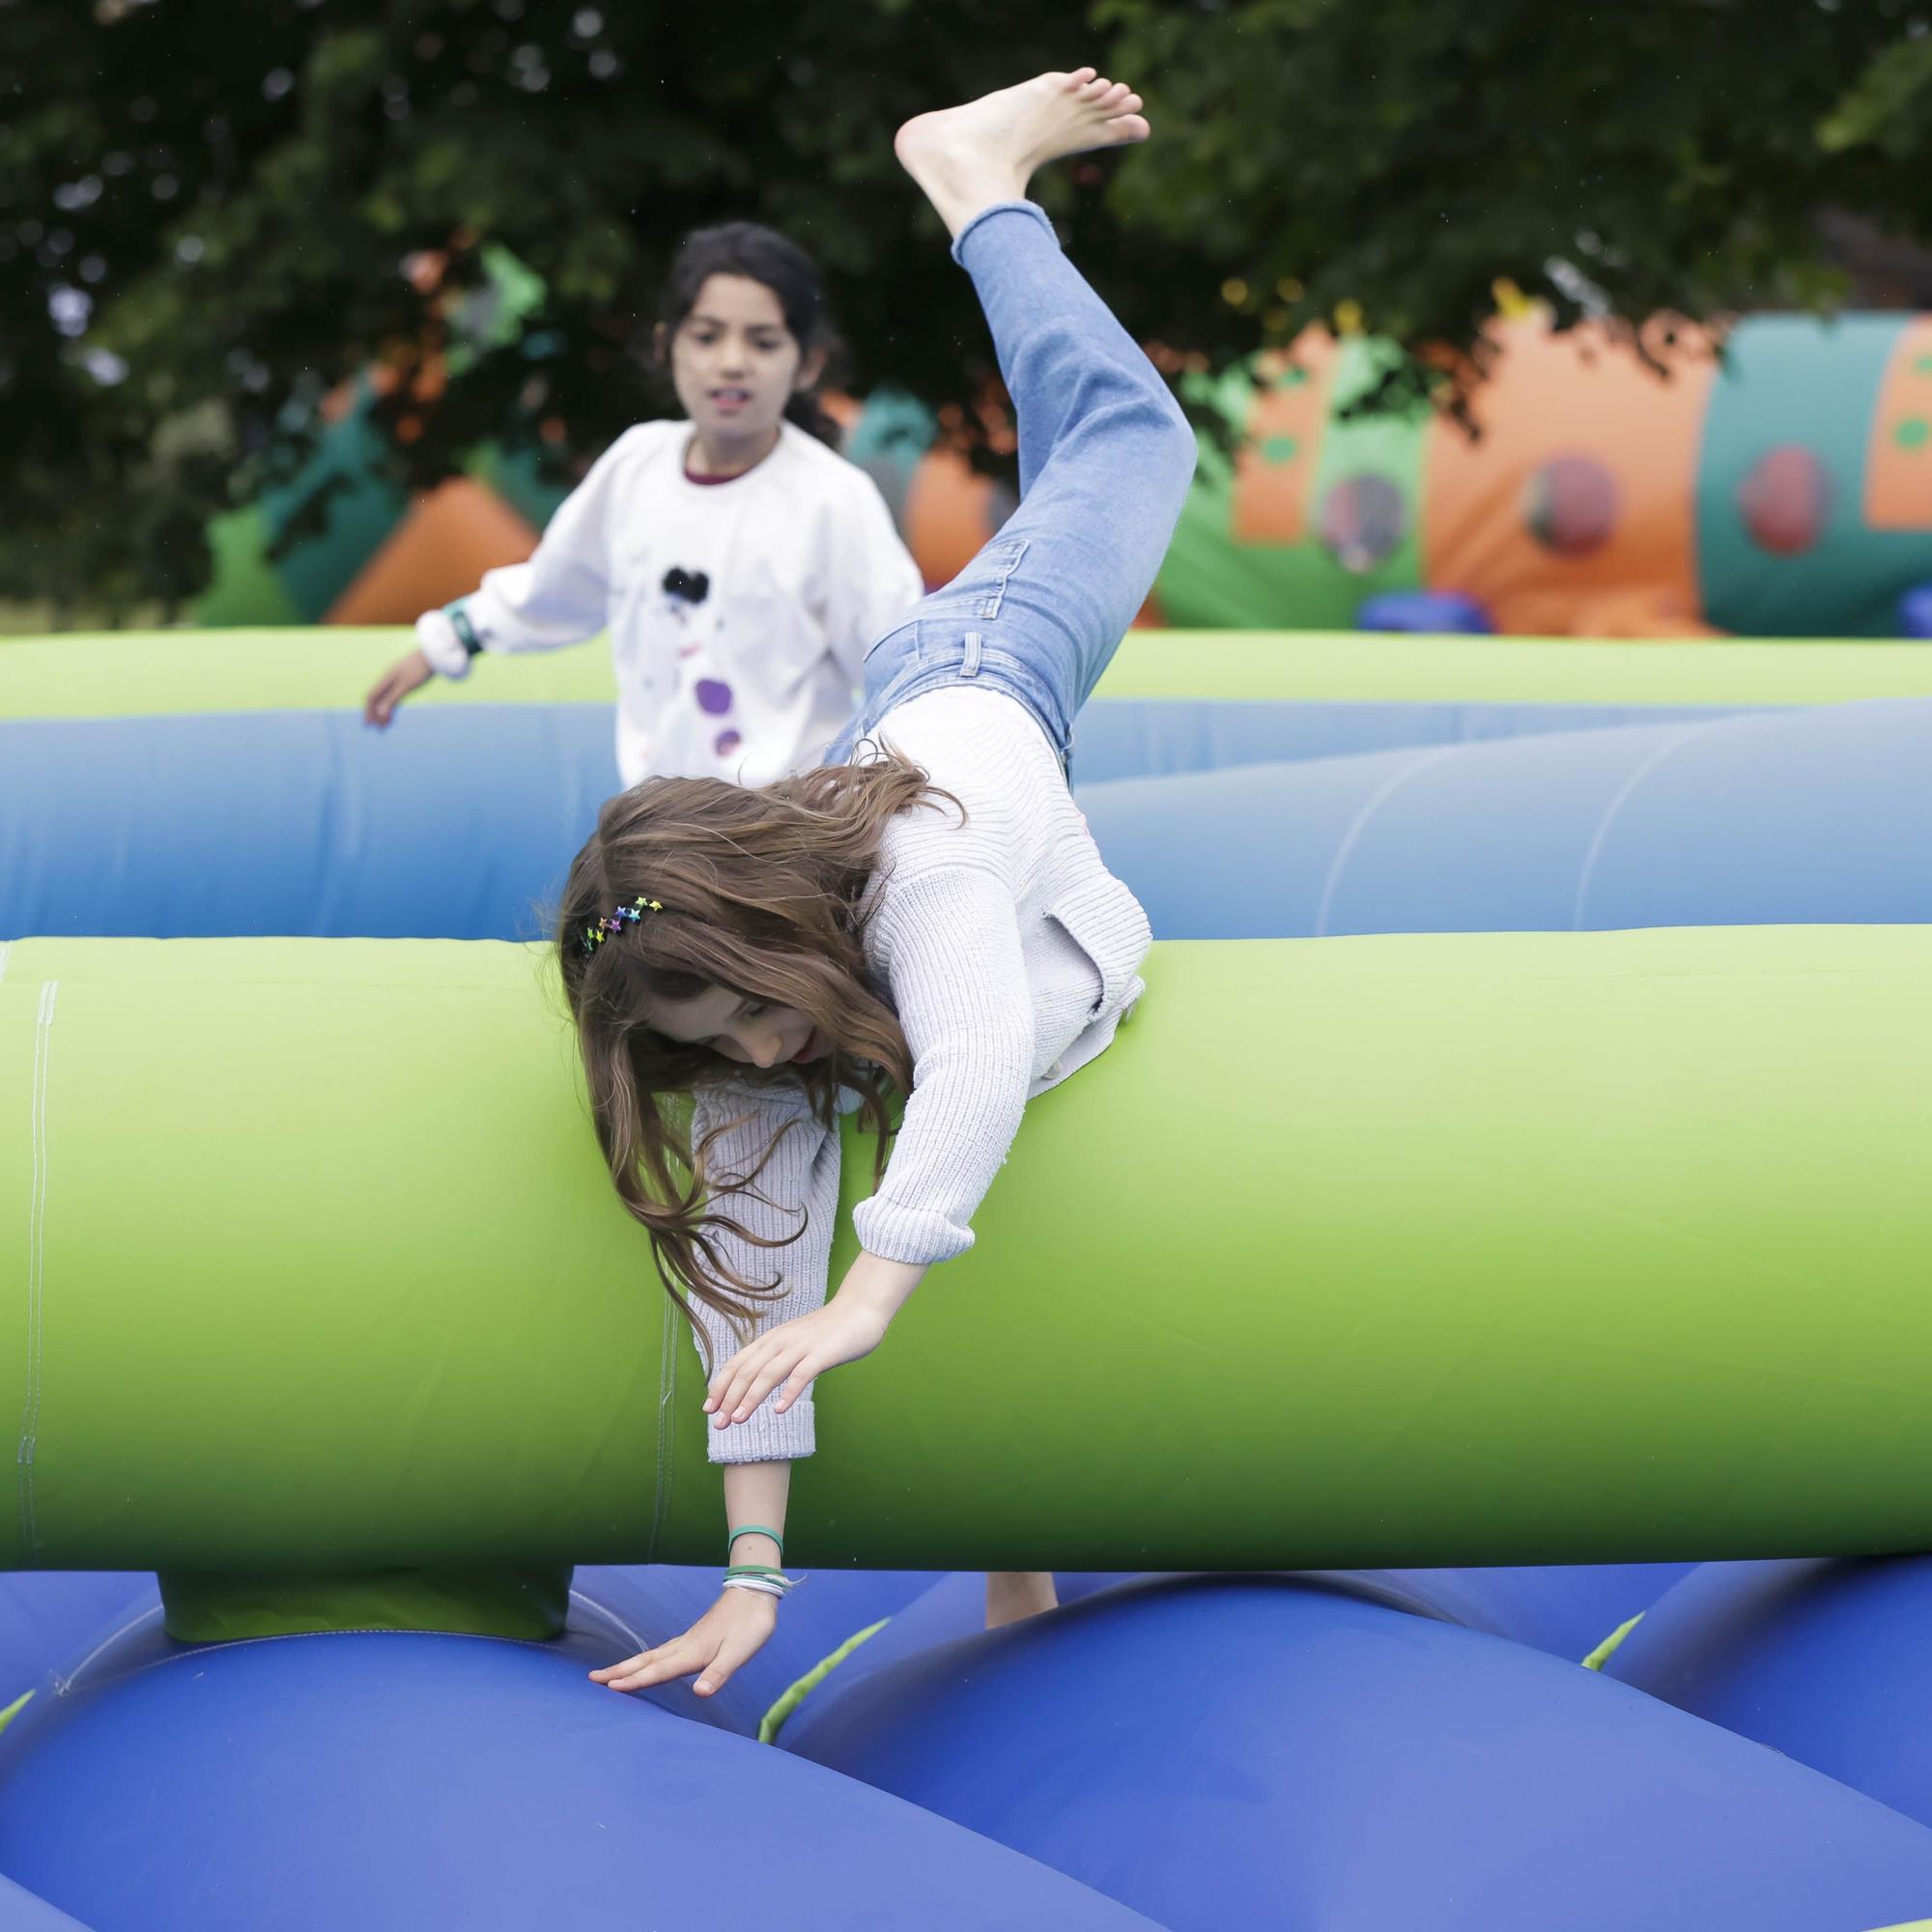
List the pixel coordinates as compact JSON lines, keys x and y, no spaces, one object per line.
{"x":755,"y":1007}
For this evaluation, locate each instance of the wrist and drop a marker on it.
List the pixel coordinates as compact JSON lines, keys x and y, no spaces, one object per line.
{"x":442,"y":648}
{"x":879,"y":1286}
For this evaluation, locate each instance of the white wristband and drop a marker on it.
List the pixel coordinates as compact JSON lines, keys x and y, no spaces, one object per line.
{"x":780,"y":1587}
{"x":438,"y":641}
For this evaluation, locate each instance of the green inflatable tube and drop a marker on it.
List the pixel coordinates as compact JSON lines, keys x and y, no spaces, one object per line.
{"x":1455,"y":1249}
{"x":130,"y":674}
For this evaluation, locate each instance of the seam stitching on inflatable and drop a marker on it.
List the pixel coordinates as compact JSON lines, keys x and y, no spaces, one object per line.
{"x":1369,"y":807}
{"x":37,"y":1219}
{"x":63,"y":1684}
{"x":590,"y":1603}
{"x":184,"y":1651}
{"x":666,"y":1389}
{"x":1588,"y":871}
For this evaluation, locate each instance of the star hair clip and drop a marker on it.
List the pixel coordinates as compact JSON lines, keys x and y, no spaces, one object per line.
{"x":615,"y":921}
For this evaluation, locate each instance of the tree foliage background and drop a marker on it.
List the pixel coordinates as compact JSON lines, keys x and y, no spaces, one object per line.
{"x":205,"y":206}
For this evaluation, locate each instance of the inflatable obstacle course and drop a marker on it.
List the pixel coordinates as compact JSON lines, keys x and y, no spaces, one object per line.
{"x":1544,"y":1248}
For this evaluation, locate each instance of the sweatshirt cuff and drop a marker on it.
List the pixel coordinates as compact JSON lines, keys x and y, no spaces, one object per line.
{"x":918,"y":1235}
{"x":436,"y":639}
{"x":764,"y":1436}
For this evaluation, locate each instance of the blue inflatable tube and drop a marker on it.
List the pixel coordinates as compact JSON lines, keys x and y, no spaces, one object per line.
{"x":392,"y":1782}
{"x":1815,"y":818}
{"x":1826,"y":1662}
{"x":49,"y":1618}
{"x":1150,"y":737}
{"x":1566,"y":1610}
{"x":1254,"y":1753}
{"x":22,"y":1912}
{"x":296,"y":822}
{"x":305,"y":823}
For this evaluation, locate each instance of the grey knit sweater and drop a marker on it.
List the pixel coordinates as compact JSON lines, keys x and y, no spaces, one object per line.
{"x":1011,"y":954}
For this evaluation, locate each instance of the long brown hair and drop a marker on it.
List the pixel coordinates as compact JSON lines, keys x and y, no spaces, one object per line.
{"x":763,"y":892}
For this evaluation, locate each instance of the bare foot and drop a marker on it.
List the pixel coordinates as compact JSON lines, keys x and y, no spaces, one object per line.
{"x":968,"y":157}
{"x":1013,"y":1594}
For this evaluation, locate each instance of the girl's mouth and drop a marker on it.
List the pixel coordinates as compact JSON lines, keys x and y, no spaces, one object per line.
{"x":730,"y":402}
{"x":810,"y":1050}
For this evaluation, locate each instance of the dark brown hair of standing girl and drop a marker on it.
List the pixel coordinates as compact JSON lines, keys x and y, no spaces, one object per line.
{"x":762,"y":891}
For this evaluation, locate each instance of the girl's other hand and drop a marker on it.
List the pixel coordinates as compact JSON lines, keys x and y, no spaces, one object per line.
{"x":733,"y":1628}
{"x":405,"y":676}
{"x":851,"y":1324}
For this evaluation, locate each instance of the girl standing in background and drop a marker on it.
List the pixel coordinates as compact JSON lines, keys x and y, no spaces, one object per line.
{"x":739,"y":563}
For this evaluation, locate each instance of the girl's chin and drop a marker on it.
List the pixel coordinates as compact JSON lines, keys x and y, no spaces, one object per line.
{"x":736,"y":422}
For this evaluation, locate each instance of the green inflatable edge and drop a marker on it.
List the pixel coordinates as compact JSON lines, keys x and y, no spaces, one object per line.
{"x":125,"y":673}
{"x":1446,"y":1249}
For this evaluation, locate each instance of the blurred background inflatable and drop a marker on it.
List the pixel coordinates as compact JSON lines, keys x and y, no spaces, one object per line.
{"x":1779,"y":486}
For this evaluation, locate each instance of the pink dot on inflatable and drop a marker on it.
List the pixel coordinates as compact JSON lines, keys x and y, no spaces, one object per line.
{"x":1363,"y":522}
{"x":1784,"y":499}
{"x":1570,"y":505}
{"x":713,"y":698}
{"x":727,"y":742}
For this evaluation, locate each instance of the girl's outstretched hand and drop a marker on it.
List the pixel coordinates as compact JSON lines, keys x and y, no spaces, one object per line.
{"x":851,"y":1324}
{"x":732,"y":1629}
{"x":405,"y":676}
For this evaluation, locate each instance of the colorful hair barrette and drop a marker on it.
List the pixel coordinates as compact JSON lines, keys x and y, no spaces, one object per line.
{"x":594,"y":936}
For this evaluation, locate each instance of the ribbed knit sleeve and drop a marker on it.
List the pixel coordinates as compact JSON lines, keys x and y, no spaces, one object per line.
{"x":802,"y":1175}
{"x":949,"y":940}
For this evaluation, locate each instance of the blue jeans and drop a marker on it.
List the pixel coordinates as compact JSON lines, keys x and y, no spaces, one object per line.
{"x":1105,"y":460}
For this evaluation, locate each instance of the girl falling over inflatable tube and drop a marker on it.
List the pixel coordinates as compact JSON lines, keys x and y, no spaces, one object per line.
{"x":925,"y":912}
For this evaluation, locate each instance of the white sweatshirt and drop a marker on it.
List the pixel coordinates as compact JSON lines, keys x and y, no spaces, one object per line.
{"x":1010,"y":954}
{"x":739,"y":612}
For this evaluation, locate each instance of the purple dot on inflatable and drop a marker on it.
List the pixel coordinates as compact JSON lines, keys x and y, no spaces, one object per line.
{"x":713,"y":696}
{"x":1363,"y":522}
{"x":1784,"y":499}
{"x":1571,"y":506}
{"x":726,"y":742}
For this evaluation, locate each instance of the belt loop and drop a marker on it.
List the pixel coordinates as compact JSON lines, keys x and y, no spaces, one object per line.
{"x":970,"y":667}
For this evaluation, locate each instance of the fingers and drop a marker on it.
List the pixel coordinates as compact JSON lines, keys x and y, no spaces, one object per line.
{"x":735,"y":1628}
{"x":798,"y":1382}
{"x":677,"y":1659}
{"x":776,"y":1370}
{"x":735,"y":1377}
{"x":380,"y":709}
{"x":731,"y":1399}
